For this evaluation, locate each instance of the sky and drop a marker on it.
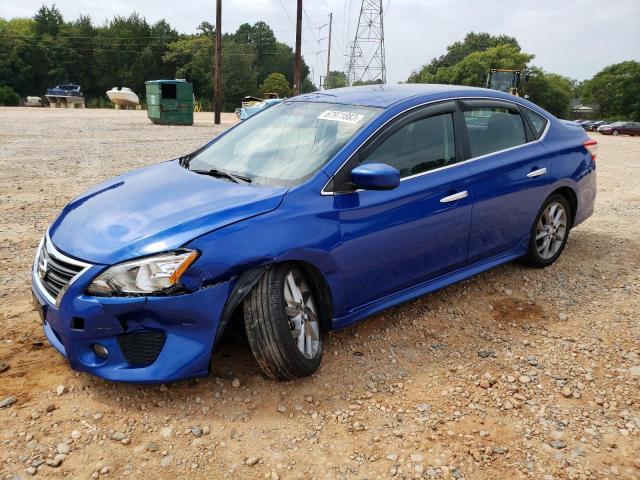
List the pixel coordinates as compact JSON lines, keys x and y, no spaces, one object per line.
{"x":575,"y":38}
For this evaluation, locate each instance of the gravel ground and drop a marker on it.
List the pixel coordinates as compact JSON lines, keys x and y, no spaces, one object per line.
{"x":515,"y":373}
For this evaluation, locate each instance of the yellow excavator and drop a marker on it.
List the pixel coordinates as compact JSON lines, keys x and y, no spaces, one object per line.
{"x":504,"y":80}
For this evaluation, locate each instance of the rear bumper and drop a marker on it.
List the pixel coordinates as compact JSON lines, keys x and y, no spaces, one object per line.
{"x":586,"y":193}
{"x":172,"y":336}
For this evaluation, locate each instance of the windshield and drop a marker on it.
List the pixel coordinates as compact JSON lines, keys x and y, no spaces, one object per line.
{"x":285,"y":144}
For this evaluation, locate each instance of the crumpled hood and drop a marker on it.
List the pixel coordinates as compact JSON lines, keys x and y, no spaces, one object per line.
{"x":152,"y":210}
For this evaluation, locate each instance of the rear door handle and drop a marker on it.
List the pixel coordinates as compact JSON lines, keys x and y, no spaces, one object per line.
{"x":454,"y":197}
{"x":537,"y":173}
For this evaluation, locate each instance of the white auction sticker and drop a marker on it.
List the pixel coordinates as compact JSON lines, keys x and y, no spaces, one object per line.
{"x":338,"y":116}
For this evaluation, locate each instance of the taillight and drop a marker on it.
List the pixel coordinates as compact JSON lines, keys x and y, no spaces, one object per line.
{"x":592,"y":147}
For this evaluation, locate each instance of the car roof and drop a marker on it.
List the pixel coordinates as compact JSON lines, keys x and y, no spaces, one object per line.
{"x":383,"y":96}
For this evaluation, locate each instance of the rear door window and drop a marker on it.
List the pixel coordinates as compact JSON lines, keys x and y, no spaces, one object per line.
{"x":492,"y":129}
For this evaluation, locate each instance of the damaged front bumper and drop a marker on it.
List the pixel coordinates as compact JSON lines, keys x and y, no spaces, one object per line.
{"x":133,"y":339}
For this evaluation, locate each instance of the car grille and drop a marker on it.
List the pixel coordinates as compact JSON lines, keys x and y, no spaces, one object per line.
{"x":54,"y":270}
{"x":142,"y":347}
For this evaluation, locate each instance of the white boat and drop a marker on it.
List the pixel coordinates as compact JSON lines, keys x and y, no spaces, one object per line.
{"x":34,"y":102}
{"x":125,"y":97}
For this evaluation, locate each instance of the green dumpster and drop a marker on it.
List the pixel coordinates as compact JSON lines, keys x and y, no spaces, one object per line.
{"x":170,"y":102}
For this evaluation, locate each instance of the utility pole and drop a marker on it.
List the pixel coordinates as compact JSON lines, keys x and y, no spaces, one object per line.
{"x":296,"y":67}
{"x":326,"y":79}
{"x":217,"y":68}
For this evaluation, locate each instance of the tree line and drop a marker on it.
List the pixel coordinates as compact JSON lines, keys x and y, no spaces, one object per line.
{"x":615,"y":91}
{"x":40,"y":52}
{"x":45,"y":50}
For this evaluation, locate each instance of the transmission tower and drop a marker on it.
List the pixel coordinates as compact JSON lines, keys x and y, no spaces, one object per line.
{"x":366,"y":57}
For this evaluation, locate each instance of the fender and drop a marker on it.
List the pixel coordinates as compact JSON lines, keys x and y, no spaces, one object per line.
{"x":243,"y":285}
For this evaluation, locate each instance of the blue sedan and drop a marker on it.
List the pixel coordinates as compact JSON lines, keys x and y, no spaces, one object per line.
{"x":309,"y":216}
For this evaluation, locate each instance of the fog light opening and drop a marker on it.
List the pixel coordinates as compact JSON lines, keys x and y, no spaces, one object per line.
{"x":100,"y":351}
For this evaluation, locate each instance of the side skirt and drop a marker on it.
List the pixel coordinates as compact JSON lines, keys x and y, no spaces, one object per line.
{"x":429,"y":286}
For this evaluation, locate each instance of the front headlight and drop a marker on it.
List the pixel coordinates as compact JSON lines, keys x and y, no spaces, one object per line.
{"x":146,"y":276}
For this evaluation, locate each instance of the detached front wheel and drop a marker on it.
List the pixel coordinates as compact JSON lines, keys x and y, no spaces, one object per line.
{"x":282,"y":322}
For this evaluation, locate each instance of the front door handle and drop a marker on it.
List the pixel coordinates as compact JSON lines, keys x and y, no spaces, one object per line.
{"x":455,"y":197}
{"x":537,"y":173}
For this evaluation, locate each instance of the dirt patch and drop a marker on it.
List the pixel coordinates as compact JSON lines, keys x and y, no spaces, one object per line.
{"x":516,"y":311}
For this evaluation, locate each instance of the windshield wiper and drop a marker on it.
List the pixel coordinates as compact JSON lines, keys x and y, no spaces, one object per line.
{"x":222,"y":174}
{"x":183,"y":161}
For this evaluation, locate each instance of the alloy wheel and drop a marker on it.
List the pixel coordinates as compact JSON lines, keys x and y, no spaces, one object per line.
{"x":551,"y":230}
{"x":301,"y":312}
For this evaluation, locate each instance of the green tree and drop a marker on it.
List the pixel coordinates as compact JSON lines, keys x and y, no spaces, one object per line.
{"x":128,"y":51}
{"x":335,"y":79}
{"x":8,"y":98}
{"x":358,"y":83}
{"x":263,"y":41}
{"x":468,"y":63}
{"x":48,"y":21}
{"x":271,"y":56}
{"x":238,"y":75}
{"x":72,"y":56}
{"x":192,"y":58}
{"x":456,"y":52}
{"x":276,"y":82}
{"x":551,"y":91}
{"x":17,"y":26}
{"x":472,"y":70}
{"x":308,"y":86}
{"x":616,"y":90}
{"x":40,"y":52}
{"x":23,"y":60}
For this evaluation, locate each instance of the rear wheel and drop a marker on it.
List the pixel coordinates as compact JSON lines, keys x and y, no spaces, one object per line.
{"x":282,"y":323}
{"x":550,"y":232}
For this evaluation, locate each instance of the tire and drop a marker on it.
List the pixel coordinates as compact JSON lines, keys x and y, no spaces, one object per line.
{"x":615,"y":132}
{"x":549,"y":237}
{"x":275,"y":321}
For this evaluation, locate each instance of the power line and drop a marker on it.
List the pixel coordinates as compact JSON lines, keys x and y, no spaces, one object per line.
{"x":309,"y":19}
{"x":287,"y":12}
{"x":198,"y":51}
{"x":103,"y":34}
{"x":310,"y":30}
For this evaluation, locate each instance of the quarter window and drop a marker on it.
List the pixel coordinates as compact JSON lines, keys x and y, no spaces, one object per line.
{"x":492,"y":129}
{"x":536,"y":121}
{"x":419,"y":146}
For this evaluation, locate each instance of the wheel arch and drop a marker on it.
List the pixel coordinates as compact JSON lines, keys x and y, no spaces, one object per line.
{"x":571,"y":197}
{"x":246,"y":280}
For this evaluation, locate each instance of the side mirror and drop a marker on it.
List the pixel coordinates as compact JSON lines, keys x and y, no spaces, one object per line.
{"x":375,"y":176}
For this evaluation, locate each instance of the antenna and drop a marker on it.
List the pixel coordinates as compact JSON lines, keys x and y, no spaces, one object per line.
{"x":366,"y":56}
